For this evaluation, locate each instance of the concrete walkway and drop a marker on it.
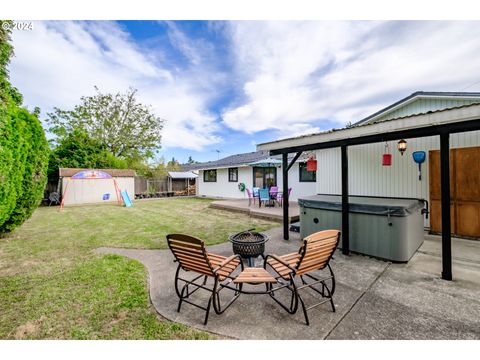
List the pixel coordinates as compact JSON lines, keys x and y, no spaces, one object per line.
{"x":374,"y":299}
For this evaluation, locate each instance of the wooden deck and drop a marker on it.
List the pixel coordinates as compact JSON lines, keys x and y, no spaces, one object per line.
{"x":271,"y":213}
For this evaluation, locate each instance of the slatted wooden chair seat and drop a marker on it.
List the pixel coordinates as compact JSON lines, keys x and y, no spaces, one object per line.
{"x":315,"y":253}
{"x":191,"y":255}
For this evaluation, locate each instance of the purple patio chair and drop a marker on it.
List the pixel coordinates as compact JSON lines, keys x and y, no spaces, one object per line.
{"x":280,"y":197}
{"x":274,"y":193}
{"x":250,"y":197}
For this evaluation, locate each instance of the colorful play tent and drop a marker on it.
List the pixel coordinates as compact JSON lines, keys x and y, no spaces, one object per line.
{"x":91,"y":175}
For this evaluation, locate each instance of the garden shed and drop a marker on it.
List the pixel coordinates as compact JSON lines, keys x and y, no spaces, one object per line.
{"x":92,"y":191}
{"x":182,"y":182}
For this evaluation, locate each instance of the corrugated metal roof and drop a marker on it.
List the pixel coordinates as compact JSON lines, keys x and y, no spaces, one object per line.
{"x":460,"y":113}
{"x":237,"y":160}
{"x":68,"y":172}
{"x":182,"y":175}
{"x":419,"y":95}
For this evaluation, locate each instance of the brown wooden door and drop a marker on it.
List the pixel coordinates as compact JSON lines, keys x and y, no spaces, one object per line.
{"x":464,"y":191}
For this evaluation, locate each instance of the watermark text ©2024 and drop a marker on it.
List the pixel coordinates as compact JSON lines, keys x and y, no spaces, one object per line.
{"x":18,"y":25}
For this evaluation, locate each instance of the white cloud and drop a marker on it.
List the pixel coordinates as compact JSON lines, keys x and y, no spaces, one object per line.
{"x":299,"y":74}
{"x":58,"y":62}
{"x":289,"y":77}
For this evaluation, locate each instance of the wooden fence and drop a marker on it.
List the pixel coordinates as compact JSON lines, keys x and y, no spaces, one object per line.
{"x":158,"y":187}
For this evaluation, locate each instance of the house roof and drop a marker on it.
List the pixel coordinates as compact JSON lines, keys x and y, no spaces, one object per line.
{"x":420,"y":95}
{"x":182,"y":175}
{"x":236,"y":160}
{"x":417,"y":121}
{"x":68,"y":172}
{"x":370,"y":120}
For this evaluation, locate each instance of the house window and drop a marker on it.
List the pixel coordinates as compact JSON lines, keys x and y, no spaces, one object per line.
{"x":306,"y":176}
{"x":233,"y":174}
{"x":210,"y":176}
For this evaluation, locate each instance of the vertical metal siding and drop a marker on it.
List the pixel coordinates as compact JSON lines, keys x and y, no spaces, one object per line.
{"x":368,"y":177}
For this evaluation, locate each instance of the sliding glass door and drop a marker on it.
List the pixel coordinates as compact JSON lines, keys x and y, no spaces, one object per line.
{"x":264,"y":177}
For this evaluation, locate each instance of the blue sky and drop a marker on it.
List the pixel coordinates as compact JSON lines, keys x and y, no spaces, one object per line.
{"x":228,"y":85}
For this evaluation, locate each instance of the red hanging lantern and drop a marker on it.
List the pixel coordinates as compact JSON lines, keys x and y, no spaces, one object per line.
{"x":387,"y":157}
{"x":311,"y":164}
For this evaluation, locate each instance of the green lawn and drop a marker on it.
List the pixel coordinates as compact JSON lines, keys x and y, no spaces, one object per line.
{"x":53,"y":286}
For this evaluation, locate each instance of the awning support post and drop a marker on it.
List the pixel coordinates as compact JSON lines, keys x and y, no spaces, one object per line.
{"x":446,"y":220}
{"x":297,"y":155}
{"x":285,"y":195}
{"x":345,"y":218}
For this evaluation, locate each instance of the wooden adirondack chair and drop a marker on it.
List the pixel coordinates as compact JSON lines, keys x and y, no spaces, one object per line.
{"x":192,"y":256}
{"x":314,"y":254}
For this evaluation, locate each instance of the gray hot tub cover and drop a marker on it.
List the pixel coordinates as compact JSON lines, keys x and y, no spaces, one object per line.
{"x":364,"y":205}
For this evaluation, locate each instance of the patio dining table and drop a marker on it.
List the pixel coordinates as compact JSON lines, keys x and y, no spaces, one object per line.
{"x":273,"y":197}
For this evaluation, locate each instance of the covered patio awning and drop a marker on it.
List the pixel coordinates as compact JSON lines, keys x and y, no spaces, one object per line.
{"x":182,"y":175}
{"x":440,"y":123}
{"x":269,"y":162}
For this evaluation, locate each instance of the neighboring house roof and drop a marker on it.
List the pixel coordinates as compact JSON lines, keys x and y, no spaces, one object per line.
{"x":182,"y":175}
{"x":68,"y":172}
{"x":448,"y":100}
{"x":237,"y":160}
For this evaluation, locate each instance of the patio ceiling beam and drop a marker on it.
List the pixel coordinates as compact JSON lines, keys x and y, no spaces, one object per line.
{"x":432,"y":130}
{"x":294,"y":159}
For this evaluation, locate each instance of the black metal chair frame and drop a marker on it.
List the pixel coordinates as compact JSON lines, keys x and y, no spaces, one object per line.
{"x":326,"y":290}
{"x":54,"y":197}
{"x":190,"y":286}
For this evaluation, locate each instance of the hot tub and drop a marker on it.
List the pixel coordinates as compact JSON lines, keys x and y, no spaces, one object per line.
{"x":387,"y":228}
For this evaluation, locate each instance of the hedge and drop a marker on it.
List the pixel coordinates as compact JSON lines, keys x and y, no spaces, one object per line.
{"x":23,"y":152}
{"x":23,"y":166}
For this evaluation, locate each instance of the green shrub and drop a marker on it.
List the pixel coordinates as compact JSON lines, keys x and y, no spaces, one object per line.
{"x":34,"y":153}
{"x":9,"y":176}
{"x":23,"y":150}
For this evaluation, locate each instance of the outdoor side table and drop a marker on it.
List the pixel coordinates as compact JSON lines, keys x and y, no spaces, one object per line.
{"x":255,"y":276}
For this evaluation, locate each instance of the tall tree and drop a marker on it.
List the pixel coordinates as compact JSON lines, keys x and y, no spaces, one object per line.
{"x":173,"y":165}
{"x":78,"y":150}
{"x":191,"y":161}
{"x":126,"y":127}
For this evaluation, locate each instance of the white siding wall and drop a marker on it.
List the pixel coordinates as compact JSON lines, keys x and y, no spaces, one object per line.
{"x":92,"y":191}
{"x":299,"y":189}
{"x":368,"y":177}
{"x":222,"y":187}
{"x":225,"y":189}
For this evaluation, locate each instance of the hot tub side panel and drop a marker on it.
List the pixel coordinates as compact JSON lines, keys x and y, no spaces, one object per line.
{"x":370,"y":234}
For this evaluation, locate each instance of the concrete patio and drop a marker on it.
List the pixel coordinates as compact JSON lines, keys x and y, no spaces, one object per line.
{"x":374,"y":299}
{"x":274,"y":213}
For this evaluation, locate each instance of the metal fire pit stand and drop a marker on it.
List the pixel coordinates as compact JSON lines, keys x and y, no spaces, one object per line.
{"x":249,"y":245}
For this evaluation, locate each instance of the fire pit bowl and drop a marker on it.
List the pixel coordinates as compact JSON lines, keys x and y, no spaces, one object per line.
{"x":248,"y":244}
